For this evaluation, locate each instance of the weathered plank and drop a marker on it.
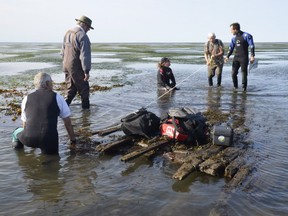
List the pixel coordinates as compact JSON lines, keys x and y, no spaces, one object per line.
{"x":106,"y":131}
{"x":142,"y":151}
{"x":234,"y":166}
{"x":222,"y":206}
{"x":216,"y":164}
{"x":194,"y":159}
{"x":187,"y":168}
{"x":240,"y":176}
{"x":145,"y":143}
{"x":212,"y":150}
{"x":106,"y":147}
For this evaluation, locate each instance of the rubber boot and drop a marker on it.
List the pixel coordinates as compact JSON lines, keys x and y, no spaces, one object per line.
{"x":16,"y":144}
{"x":210,"y":81}
{"x":85,"y":104}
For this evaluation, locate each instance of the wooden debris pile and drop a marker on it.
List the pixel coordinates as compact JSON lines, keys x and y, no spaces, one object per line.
{"x":211,"y":159}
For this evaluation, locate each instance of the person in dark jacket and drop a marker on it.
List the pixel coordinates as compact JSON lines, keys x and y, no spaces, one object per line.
{"x":241,"y":41}
{"x":165,"y":76}
{"x":40,"y":111}
{"x":76,"y":54}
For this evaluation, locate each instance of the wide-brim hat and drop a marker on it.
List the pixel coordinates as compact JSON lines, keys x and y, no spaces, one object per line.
{"x":85,"y":20}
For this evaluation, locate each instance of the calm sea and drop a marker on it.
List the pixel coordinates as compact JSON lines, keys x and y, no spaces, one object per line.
{"x":88,"y":183}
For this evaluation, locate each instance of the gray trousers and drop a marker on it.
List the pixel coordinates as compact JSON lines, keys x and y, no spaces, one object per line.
{"x":75,"y":83}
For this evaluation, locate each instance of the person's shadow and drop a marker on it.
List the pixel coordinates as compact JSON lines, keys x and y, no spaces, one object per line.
{"x":41,"y":174}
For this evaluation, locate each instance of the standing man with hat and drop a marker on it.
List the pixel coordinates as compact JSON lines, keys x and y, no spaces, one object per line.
{"x":76,"y":54}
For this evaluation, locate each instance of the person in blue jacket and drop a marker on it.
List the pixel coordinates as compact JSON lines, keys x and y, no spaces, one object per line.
{"x":241,"y":42}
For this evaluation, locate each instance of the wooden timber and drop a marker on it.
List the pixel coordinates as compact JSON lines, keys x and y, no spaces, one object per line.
{"x":234,"y":166}
{"x":215,"y":160}
{"x":216,"y":164}
{"x":106,"y":147}
{"x":142,"y":151}
{"x":240,"y":176}
{"x":106,"y":131}
{"x":194,"y":159}
{"x":211,"y":159}
{"x":221,"y":207}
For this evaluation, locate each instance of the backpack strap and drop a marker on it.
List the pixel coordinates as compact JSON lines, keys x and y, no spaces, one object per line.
{"x":208,"y":44}
{"x":175,"y":128}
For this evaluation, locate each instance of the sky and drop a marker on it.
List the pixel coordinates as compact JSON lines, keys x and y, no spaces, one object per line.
{"x":143,"y":20}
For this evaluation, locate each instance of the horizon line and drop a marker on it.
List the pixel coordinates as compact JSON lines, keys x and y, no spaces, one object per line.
{"x":133,"y":42}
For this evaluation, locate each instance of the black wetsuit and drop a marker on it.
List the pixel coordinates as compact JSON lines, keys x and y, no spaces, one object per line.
{"x":165,"y":77}
{"x":241,"y":43}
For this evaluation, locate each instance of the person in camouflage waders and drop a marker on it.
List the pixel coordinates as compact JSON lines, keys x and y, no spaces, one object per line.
{"x":213,"y":53}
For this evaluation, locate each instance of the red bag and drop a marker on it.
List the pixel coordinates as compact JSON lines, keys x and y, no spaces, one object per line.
{"x":185,"y":125}
{"x":173,"y":131}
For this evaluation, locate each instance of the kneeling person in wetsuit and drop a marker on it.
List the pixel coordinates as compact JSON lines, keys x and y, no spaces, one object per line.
{"x":165,"y":76}
{"x":40,"y":111}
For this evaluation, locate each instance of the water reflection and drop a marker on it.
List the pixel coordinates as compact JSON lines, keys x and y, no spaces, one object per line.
{"x":238,"y":109}
{"x":142,"y":161}
{"x":185,"y":184}
{"x":83,"y":126}
{"x":41,"y":173}
{"x":81,"y":117}
{"x":214,"y":99}
{"x":217,"y":102}
{"x":165,"y":100}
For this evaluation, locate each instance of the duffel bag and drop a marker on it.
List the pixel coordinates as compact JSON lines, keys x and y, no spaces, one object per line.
{"x":141,"y":123}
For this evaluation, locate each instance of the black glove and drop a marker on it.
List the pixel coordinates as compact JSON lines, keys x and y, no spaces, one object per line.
{"x":73,"y":142}
{"x":72,"y":145}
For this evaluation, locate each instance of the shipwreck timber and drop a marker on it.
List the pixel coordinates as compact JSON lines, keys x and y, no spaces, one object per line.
{"x":212,"y":159}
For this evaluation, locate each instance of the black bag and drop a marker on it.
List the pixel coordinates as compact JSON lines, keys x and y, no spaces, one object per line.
{"x":141,"y":123}
{"x":185,"y":124}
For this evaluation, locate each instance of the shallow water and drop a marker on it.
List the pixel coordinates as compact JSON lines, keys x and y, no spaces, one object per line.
{"x":90,"y":184}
